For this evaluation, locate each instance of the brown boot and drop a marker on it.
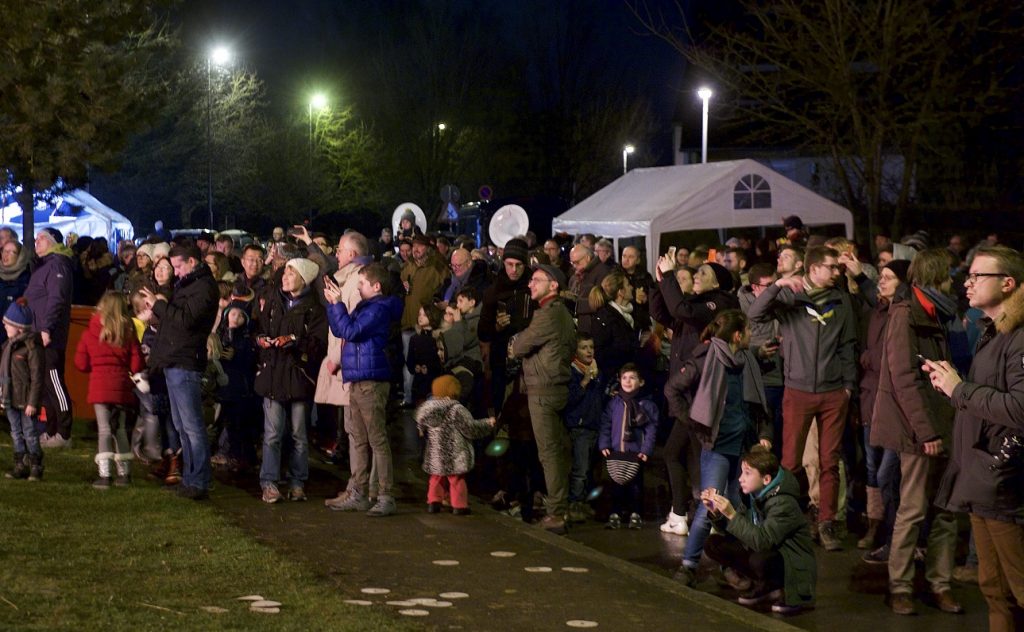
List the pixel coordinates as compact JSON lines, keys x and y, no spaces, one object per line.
{"x":876,"y":513}
{"x":173,"y":470}
{"x":868,"y":541}
{"x":161,"y":467}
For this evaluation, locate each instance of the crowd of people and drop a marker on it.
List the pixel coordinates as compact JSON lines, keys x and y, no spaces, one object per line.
{"x":793,"y":388}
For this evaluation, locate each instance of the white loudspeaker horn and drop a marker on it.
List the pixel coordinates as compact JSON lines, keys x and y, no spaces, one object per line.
{"x":507,"y":222}
{"x":396,"y":217}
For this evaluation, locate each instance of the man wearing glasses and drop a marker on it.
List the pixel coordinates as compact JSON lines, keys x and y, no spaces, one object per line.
{"x":985,"y":476}
{"x":819,"y":339}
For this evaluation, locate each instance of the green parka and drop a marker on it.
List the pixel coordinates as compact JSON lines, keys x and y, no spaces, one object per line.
{"x":774,"y":522}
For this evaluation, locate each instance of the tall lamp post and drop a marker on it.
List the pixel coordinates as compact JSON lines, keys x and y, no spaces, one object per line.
{"x":220,"y":56}
{"x":626,"y":151}
{"x":317,"y":102}
{"x":705,"y":95}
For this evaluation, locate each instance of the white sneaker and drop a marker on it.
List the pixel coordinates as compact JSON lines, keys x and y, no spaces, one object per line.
{"x":675,"y":524}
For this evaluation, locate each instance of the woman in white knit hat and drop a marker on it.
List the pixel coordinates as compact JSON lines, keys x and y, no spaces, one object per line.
{"x":291,"y":333}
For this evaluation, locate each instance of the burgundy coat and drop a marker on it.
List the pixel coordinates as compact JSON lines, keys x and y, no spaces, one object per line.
{"x":908,"y":411}
{"x":109,"y":366}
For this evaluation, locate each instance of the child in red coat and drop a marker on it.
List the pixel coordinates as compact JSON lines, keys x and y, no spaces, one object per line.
{"x":109,"y":350}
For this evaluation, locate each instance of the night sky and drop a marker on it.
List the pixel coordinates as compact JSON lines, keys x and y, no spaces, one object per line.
{"x":297,"y":46}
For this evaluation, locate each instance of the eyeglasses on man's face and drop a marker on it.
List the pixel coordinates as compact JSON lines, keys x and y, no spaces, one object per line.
{"x":974,"y":277}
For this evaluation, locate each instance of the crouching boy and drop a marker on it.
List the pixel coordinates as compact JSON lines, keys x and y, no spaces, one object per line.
{"x":768,"y":543}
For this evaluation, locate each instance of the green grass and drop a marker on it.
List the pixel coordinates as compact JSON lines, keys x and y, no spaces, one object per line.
{"x":142,"y":559}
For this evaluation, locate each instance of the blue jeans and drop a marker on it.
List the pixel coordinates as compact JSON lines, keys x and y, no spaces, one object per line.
{"x":583,"y":441}
{"x":275,"y":416}
{"x":24,"y":433}
{"x":184,"y":388}
{"x":721,"y":472}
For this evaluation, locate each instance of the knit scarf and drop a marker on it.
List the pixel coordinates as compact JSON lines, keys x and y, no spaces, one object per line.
{"x":20,"y":265}
{"x":5,"y":367}
{"x":630,"y":409}
{"x":709,"y":401}
{"x":818,"y":295}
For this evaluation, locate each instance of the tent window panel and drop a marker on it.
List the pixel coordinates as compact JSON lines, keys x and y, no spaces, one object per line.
{"x":751,"y":191}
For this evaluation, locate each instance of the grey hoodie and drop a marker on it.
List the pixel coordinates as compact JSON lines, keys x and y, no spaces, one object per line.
{"x":820,"y":351}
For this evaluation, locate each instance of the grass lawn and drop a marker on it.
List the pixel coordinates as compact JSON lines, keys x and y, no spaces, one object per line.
{"x":72,"y":557}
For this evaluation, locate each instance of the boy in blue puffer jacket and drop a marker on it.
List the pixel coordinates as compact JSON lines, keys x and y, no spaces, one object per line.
{"x":364,"y":365}
{"x":628,"y":430}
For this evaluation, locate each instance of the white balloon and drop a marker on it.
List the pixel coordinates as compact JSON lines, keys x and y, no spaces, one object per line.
{"x":507,"y":222}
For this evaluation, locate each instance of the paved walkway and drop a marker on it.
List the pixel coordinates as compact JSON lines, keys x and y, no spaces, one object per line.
{"x":616,"y":579}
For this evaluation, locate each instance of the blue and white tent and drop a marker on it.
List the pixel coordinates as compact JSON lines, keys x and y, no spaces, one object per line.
{"x":69,"y":212}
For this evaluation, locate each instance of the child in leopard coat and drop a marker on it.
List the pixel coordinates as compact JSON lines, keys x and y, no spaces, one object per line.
{"x":450,"y":430}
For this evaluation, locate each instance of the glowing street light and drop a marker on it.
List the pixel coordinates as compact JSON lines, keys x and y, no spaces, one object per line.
{"x":626,"y":151}
{"x":219,"y":56}
{"x":441,"y":127}
{"x":317,"y":102}
{"x":705,"y":95}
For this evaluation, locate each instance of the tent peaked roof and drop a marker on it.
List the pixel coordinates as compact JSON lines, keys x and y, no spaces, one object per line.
{"x":696,"y":197}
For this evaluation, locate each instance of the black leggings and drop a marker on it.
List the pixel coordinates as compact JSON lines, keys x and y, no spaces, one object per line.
{"x":681,"y":446}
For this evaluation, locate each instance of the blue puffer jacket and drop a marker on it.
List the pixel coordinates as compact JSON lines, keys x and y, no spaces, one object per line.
{"x":365,"y":332}
{"x":613,"y":434}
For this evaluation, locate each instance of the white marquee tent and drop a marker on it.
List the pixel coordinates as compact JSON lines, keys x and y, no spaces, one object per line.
{"x":74,"y":211}
{"x":713,"y":196}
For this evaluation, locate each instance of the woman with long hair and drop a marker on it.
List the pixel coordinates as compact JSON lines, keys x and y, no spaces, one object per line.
{"x":721,"y":395}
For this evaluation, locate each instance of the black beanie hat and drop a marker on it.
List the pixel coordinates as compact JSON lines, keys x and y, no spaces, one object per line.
{"x":724,"y":276}
{"x":516,"y":249}
{"x":899,"y":267}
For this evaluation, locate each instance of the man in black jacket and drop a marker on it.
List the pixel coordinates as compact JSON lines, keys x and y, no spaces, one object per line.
{"x":985,"y":475}
{"x":180,"y":351}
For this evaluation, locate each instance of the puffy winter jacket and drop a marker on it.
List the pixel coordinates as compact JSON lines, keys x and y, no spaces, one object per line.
{"x":365,"y":332}
{"x":185,"y":322}
{"x":28,"y":370}
{"x":289,"y":373}
{"x":49,"y":295}
{"x":774,"y":522}
{"x":615,"y":434}
{"x":449,"y":429}
{"x":109,"y":366}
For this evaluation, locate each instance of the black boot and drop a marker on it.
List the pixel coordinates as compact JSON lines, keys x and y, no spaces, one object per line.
{"x":35,"y":463}
{"x":20,"y":467}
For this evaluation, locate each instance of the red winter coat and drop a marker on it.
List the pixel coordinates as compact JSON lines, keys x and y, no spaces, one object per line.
{"x":110,"y":366}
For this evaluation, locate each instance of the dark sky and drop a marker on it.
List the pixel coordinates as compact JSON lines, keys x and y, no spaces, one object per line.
{"x":294,"y":46}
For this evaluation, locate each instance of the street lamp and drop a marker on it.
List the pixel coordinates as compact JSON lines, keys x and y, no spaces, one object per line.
{"x":316,"y":102}
{"x":219,"y":56}
{"x":441,"y":127}
{"x":705,"y":95}
{"x":626,"y":151}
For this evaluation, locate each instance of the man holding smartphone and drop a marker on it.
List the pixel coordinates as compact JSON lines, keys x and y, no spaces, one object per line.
{"x":984,"y":477}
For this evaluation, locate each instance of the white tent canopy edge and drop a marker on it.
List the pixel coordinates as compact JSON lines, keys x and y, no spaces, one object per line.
{"x":649,"y":202}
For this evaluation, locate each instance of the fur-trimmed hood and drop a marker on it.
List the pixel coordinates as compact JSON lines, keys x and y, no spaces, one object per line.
{"x":1012,"y":317}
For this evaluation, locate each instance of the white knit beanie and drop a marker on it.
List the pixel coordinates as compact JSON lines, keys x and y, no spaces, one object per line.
{"x":307,"y":269}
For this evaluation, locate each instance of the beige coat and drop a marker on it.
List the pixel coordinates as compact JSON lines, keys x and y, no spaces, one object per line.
{"x":329,"y":387}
